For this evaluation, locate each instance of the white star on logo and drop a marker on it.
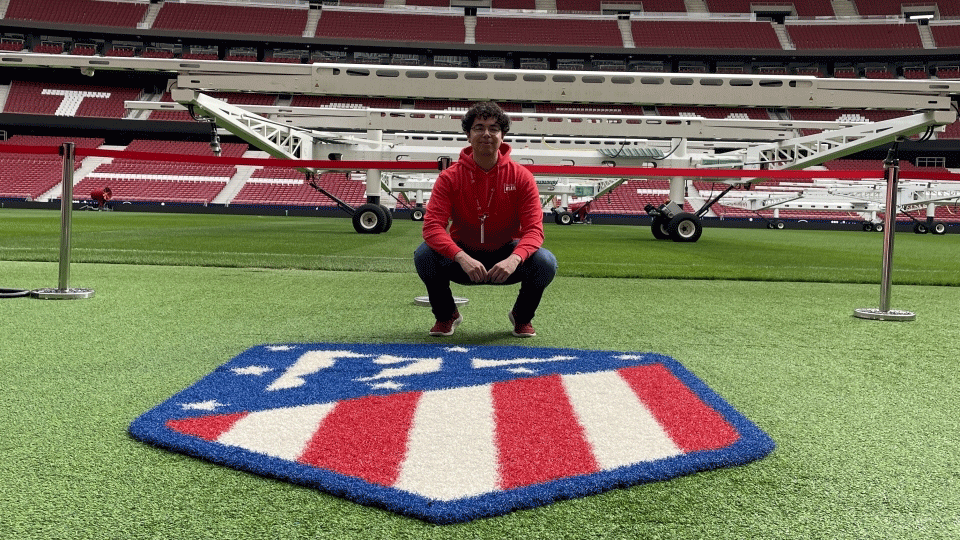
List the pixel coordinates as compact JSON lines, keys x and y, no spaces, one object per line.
{"x":279,"y":348}
{"x":251,"y":370}
{"x":209,"y":405}
{"x":457,"y":349}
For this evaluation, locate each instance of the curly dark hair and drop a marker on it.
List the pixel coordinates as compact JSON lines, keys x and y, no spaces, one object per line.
{"x":484,"y":110}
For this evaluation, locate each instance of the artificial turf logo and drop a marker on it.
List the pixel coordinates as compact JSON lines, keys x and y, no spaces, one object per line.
{"x":449,"y":434}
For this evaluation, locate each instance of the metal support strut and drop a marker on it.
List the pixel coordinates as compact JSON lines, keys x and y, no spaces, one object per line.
{"x":892,"y":174}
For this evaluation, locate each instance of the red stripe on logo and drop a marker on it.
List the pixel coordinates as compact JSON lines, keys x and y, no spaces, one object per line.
{"x":206,"y":427}
{"x":364,"y":437}
{"x":537,"y":433}
{"x":690,"y":422}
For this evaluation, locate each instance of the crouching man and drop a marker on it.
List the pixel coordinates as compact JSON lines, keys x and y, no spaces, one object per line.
{"x":495,"y":234}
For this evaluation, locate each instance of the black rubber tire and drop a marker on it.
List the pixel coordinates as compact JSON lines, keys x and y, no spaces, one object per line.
{"x":417,"y":214}
{"x":685,"y":227}
{"x":389,"y":216}
{"x":939,"y":227}
{"x":920,"y":228}
{"x":563,"y":218}
{"x":369,"y":219}
{"x":659,"y":228}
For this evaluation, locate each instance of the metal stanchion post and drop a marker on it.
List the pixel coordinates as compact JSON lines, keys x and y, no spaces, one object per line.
{"x":884,"y":313}
{"x":63,"y":290}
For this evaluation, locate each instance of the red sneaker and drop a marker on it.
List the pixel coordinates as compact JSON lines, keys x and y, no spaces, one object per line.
{"x":521,"y":329}
{"x":446,"y":328}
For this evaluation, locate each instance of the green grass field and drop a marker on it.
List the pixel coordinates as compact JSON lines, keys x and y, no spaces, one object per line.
{"x":863,"y":412}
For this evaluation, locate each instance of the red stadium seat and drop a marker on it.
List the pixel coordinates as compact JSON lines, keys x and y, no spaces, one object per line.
{"x":218,"y":18}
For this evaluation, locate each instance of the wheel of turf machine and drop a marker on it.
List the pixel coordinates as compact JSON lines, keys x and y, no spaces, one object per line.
{"x":13,"y":293}
{"x":389,"y":215}
{"x":370,"y":218}
{"x":939,"y":227}
{"x":659,"y":228}
{"x":563,"y":218}
{"x":920,"y":228}
{"x":684,"y":227}
{"x":417,"y":214}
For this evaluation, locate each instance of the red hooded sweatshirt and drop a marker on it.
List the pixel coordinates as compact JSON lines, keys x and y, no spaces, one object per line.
{"x":507,"y":195}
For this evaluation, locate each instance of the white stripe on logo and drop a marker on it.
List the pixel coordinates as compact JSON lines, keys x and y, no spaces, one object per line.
{"x":282,"y":433}
{"x":618,"y":426}
{"x":451,"y":451}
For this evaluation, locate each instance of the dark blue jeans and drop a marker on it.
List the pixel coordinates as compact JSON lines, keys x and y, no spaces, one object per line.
{"x":437,"y":271}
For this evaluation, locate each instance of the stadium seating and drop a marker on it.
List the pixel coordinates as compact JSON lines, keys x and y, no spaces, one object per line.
{"x":79,"y":12}
{"x":673,"y":34}
{"x":946,"y":35}
{"x":513,"y":4}
{"x":134,"y":180}
{"x":915,"y":72}
{"x":428,"y":3}
{"x":267,"y":21}
{"x":878,"y":73}
{"x":630,"y":197}
{"x":235,"y":98}
{"x":28,"y":176}
{"x":83,"y":49}
{"x":566,"y":31}
{"x":153,"y":52}
{"x":947,"y":8}
{"x":62,"y":99}
{"x":11,"y":44}
{"x":275,"y":186}
{"x":391,"y":26}
{"x":876,"y":36}
{"x":148,"y":190}
{"x":804,"y":8}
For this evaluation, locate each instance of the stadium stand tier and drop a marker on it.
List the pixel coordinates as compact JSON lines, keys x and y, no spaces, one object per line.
{"x":224,"y":19}
{"x":805,"y":8}
{"x":561,"y":32}
{"x":946,"y":35}
{"x":711,"y":36}
{"x":78,"y":12}
{"x":391,"y":26}
{"x":877,"y":35}
{"x":674,"y":34}
{"x":947,"y":8}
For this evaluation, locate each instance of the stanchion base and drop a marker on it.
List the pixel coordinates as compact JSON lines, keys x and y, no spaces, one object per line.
{"x":62,"y":294}
{"x":425,"y":301}
{"x":892,"y":315}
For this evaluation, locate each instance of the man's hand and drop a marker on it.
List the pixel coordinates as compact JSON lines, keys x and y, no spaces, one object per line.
{"x":504,"y":269}
{"x":472,"y":267}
